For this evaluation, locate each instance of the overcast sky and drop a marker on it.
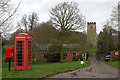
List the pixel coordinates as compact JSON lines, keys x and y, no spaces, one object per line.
{"x":94,"y":10}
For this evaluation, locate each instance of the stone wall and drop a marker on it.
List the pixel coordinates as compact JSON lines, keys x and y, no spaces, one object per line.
{"x":91,"y":33}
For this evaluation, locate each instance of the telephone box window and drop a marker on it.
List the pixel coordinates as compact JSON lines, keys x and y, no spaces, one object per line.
{"x":19,"y":52}
{"x":29,"y":53}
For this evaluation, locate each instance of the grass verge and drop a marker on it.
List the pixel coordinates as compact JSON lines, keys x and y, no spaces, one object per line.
{"x":40,"y":70}
{"x":115,"y":64}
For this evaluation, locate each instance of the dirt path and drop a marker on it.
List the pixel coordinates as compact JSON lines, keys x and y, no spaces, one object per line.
{"x":95,"y":70}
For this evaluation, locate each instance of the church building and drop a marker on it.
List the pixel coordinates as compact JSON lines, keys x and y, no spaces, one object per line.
{"x":91,"y":33}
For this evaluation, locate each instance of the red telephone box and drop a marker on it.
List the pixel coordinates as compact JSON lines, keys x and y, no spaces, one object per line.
{"x":23,"y":52}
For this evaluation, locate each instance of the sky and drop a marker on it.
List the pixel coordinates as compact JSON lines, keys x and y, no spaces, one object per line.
{"x":98,"y":11}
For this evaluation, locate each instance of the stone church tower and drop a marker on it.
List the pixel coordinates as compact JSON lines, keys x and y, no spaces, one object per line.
{"x":91,"y":33}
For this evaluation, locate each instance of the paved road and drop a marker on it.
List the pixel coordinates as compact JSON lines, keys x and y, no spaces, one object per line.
{"x":95,"y":70}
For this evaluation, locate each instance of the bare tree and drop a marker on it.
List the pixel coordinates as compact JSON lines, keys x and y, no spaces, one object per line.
{"x":25,"y":22}
{"x":33,"y":20}
{"x":113,"y":23}
{"x":28,"y":22}
{"x":114,"y":18}
{"x":6,"y":14}
{"x":65,"y":17}
{"x":19,"y":25}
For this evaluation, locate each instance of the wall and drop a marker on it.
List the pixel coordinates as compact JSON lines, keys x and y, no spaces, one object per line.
{"x":70,"y":55}
{"x":91,"y":33}
{"x":40,"y":56}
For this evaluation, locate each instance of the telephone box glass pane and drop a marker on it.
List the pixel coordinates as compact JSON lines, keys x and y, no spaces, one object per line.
{"x":29,"y":53}
{"x":19,"y":53}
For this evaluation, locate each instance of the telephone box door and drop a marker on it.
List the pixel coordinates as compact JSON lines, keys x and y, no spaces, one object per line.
{"x":29,"y":46}
{"x":19,"y":53}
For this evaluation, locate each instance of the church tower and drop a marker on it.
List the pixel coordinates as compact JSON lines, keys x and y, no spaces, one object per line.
{"x":91,"y":33}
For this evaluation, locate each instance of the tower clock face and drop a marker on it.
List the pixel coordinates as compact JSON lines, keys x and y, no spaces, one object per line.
{"x":92,"y":27}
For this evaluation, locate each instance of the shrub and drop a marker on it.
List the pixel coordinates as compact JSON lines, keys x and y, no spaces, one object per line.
{"x":53,"y":54}
{"x":77,"y":57}
{"x":53,"y":57}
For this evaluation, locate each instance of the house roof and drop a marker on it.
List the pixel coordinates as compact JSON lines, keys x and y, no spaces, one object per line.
{"x":70,"y":45}
{"x":44,"y":47}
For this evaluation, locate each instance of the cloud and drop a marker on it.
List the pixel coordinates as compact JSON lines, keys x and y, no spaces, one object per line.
{"x":97,"y":10}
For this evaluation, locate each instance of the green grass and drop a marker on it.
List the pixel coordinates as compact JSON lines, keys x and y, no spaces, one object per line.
{"x":114,"y":63}
{"x":93,"y":51}
{"x":40,"y":70}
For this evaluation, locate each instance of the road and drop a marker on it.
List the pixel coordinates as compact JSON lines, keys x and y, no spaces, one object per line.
{"x":95,"y":70}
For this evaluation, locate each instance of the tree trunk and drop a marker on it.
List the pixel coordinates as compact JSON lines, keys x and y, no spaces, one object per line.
{"x":61,"y":53}
{"x":61,"y":42}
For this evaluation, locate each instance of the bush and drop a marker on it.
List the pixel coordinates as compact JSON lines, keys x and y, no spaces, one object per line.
{"x":77,"y":57}
{"x":53,"y":54}
{"x":53,"y":57}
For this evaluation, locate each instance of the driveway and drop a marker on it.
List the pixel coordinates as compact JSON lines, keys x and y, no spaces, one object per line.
{"x":95,"y":70}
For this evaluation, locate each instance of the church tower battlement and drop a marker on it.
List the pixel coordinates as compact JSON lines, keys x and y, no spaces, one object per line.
{"x":91,"y":33}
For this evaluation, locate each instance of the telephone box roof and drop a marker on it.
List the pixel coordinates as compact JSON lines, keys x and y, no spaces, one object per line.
{"x":23,"y":34}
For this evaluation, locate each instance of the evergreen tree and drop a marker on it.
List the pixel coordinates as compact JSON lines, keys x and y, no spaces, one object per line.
{"x":105,"y":43}
{"x":111,"y":45}
{"x":101,"y":46}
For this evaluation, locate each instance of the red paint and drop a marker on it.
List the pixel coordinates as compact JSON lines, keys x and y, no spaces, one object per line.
{"x":23,"y":52}
{"x":91,"y":22}
{"x":9,"y":53}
